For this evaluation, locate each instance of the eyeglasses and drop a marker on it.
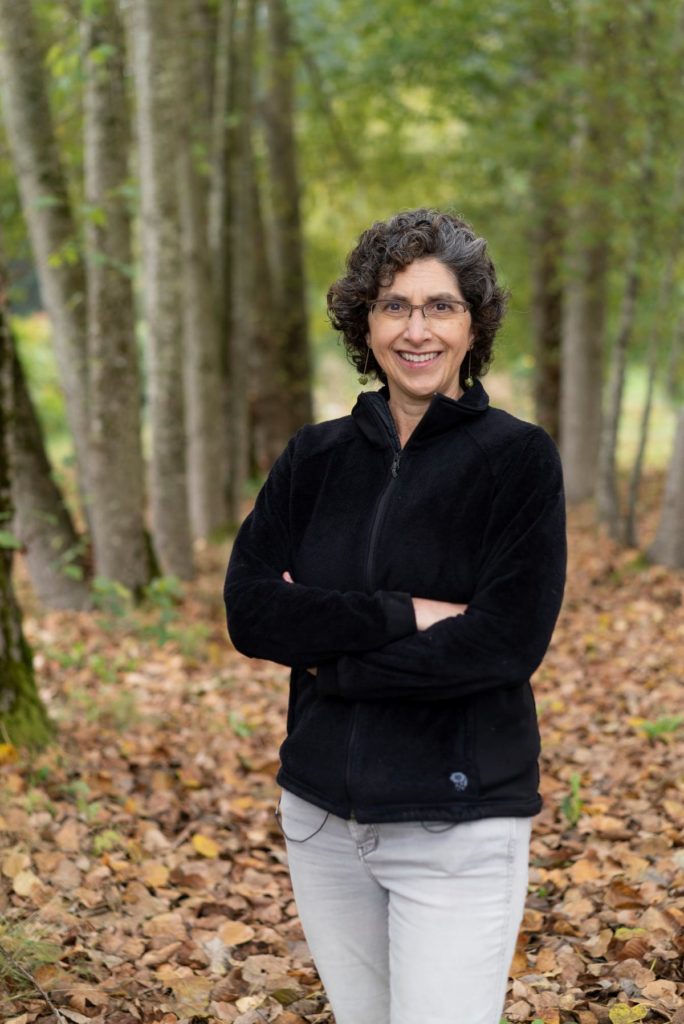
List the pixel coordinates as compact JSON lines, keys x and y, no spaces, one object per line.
{"x":438,"y":309}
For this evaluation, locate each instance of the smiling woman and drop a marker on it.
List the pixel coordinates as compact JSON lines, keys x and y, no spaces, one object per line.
{"x":419,"y":331}
{"x":408,"y":562}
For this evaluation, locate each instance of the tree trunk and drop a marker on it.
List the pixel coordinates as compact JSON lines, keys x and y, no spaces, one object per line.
{"x":116,"y":463}
{"x":547,"y":310}
{"x":667,"y":286}
{"x":668,"y":546}
{"x":581,"y":365}
{"x":294,"y":383}
{"x":45,"y":203}
{"x":155,"y":61}
{"x":607,"y":498}
{"x":268,"y":413}
{"x":219,"y":187}
{"x":206,"y":430}
{"x":587,"y":262}
{"x":23,"y":720}
{"x":243,"y":295}
{"x":54,"y":551}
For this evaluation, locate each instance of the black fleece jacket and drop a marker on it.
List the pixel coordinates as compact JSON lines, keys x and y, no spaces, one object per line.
{"x":398,"y":724}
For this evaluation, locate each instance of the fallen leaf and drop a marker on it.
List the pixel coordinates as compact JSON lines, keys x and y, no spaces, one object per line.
{"x":624,"y":1014}
{"x":234,"y":933}
{"x":14,"y":863}
{"x":24,"y":882}
{"x":155,"y":874}
{"x":205,"y":846}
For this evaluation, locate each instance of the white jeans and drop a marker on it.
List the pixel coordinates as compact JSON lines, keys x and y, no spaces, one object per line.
{"x":409,"y":923}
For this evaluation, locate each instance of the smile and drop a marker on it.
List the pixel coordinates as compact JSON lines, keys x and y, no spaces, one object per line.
{"x":418,"y":357}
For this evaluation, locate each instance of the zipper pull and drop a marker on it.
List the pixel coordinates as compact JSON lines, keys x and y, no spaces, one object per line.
{"x":395,"y":464}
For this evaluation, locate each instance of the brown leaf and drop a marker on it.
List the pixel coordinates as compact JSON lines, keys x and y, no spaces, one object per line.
{"x":234,"y":933}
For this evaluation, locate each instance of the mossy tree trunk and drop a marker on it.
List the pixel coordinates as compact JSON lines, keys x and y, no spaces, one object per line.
{"x":23,"y":720}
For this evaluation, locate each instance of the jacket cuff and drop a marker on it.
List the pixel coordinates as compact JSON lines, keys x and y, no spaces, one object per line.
{"x":401,"y":618}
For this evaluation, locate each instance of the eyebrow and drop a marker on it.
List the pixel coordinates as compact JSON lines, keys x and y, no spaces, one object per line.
{"x":431,"y":298}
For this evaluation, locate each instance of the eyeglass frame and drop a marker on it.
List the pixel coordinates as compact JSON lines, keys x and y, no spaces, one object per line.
{"x":421,"y":307}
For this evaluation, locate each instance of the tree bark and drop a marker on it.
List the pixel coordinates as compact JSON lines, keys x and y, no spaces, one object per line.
{"x":23,"y":719}
{"x":155,"y":61}
{"x":116,"y":462}
{"x":206,"y":430}
{"x":219,"y":185}
{"x":293,"y":384}
{"x":46,"y":207}
{"x":242,"y":290}
{"x":547,"y":312}
{"x":585,"y":288}
{"x":607,"y":498}
{"x":54,"y":550}
{"x":668,"y":546}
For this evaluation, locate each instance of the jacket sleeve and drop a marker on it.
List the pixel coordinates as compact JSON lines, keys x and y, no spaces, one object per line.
{"x":287,"y":622}
{"x":503,"y":636}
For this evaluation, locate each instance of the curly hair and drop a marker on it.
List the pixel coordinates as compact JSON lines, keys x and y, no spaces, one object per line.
{"x":389,"y":246}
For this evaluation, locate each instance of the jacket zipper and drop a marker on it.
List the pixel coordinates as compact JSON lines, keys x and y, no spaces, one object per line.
{"x":370,"y":565}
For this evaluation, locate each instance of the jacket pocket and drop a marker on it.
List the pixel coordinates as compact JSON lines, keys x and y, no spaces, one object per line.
{"x":410,"y":753}
{"x":507,"y":738}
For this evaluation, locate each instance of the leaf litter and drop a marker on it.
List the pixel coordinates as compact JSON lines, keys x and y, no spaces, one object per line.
{"x":143,"y":876}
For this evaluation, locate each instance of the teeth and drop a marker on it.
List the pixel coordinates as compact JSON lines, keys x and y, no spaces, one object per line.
{"x":416,"y":357}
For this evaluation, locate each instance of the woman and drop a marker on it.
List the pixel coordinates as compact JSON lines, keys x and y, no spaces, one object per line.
{"x":408,"y":562}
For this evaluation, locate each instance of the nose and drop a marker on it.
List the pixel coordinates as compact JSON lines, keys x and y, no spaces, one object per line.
{"x":417,"y":326}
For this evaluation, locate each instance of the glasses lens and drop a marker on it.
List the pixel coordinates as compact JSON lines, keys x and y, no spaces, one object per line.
{"x":394,"y":308}
{"x":443,"y":309}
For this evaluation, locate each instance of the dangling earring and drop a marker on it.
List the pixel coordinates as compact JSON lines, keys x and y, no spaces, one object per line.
{"x":469,"y":382}
{"x":363,"y":378}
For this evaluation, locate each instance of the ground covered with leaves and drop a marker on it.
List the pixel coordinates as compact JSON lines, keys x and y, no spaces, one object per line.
{"x":143,"y":876}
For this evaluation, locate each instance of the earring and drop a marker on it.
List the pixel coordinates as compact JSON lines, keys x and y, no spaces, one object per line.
{"x":469,"y":382}
{"x":363,"y":378}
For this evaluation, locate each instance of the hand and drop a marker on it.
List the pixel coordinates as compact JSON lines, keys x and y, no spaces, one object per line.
{"x":429,"y":612}
{"x":288,"y":579}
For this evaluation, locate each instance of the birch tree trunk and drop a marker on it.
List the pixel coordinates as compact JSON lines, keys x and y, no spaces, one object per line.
{"x":22,"y":715}
{"x":668,"y":546}
{"x":116,"y":462}
{"x":46,"y":208}
{"x":205,"y":426}
{"x":294,"y":381}
{"x":155,"y":57}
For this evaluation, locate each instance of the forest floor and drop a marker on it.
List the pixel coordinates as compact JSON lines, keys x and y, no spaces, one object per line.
{"x":143,"y":876}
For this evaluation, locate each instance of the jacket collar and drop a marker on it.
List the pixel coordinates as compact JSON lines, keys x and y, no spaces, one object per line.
{"x":373,"y":417}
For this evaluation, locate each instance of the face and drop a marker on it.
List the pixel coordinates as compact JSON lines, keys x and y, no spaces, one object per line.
{"x":421,"y":356}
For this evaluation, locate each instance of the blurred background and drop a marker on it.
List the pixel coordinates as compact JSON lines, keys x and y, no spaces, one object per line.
{"x":180,"y":181}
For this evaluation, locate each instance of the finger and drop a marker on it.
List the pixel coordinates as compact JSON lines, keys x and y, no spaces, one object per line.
{"x":287,"y":577}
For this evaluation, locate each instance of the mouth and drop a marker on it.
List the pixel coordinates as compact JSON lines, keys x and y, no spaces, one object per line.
{"x":418,"y":358}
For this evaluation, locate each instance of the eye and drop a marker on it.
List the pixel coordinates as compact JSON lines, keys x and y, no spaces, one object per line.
{"x":442,"y":307}
{"x":392,"y":307}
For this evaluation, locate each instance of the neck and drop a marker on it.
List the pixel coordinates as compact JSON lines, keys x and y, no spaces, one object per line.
{"x":407,"y":413}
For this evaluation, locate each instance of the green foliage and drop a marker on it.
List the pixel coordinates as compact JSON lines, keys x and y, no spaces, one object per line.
{"x":572,"y":804}
{"x":662,"y":726}
{"x":28,"y":950}
{"x":110,"y":839}
{"x":239,"y":726}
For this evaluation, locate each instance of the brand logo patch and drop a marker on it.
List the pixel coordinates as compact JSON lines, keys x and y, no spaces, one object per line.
{"x":459,"y":781}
